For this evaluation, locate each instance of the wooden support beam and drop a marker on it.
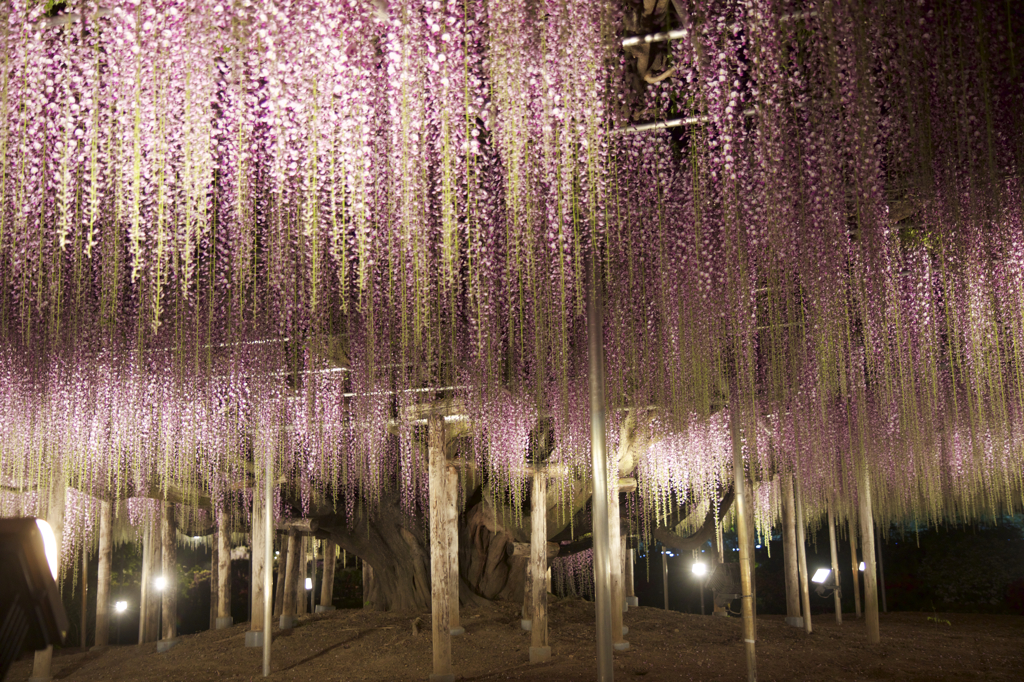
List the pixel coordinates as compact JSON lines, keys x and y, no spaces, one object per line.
{"x":526,"y":620}
{"x":106,"y":551}
{"x":789,"y":559}
{"x":214,"y":579}
{"x":258,"y":567}
{"x":867,"y":536}
{"x":801,"y":548}
{"x":327,"y":584}
{"x":367,"y":584}
{"x":539,"y":649}
{"x":440,"y":600}
{"x":452,"y":528}
{"x":149,"y":626}
{"x":169,"y":595}
{"x":287,"y":621}
{"x":835,"y":565}
{"x":299,"y":525}
{"x":224,"y":619}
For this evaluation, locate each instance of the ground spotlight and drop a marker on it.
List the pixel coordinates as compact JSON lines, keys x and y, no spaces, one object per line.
{"x":161,"y":583}
{"x":700,"y":569}
{"x":861,"y":567}
{"x":821,"y":575}
{"x":121,"y":606}
{"x":309,"y":583}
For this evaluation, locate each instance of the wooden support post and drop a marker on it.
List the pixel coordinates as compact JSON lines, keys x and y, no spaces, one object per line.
{"x":214,"y":579}
{"x":327,"y":583}
{"x":54,"y":515}
{"x":84,"y":583}
{"x":106,"y":551}
{"x":748,"y":486}
{"x":526,"y":619}
{"x":287,"y":621}
{"x":631,"y":599}
{"x":743,"y":535}
{"x":618,"y":597}
{"x":665,"y":574}
{"x":148,"y":599}
{"x":224,"y":619}
{"x":301,"y":594}
{"x":835,"y":565}
{"x":793,"y":617}
{"x":440,"y":599}
{"x":599,"y":466}
{"x":282,"y":567}
{"x":539,"y":649}
{"x":851,"y":529}
{"x":801,"y":548}
{"x":452,"y":527}
{"x":169,"y":595}
{"x":867,"y":535}
{"x":258,"y":566}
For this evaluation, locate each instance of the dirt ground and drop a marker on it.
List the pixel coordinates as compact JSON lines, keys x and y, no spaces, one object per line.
{"x":366,"y":645}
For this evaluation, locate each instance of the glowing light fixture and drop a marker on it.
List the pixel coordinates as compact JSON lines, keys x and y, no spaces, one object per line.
{"x":820,"y":576}
{"x":700,"y":569}
{"x":161,"y":583}
{"x":861,"y":566}
{"x":49,"y":545}
{"x":121,"y":606}
{"x":309,"y":583}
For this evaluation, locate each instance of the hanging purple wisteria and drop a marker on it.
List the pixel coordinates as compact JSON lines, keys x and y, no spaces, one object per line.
{"x":269,"y":228}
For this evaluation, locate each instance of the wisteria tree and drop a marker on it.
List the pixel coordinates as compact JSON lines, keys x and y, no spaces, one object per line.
{"x":250,"y":229}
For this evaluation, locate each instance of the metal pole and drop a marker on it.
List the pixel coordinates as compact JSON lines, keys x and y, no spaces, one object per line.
{"x":801,"y":554}
{"x":881,"y":573}
{"x":599,"y":458}
{"x":268,"y":561}
{"x":664,"y":574}
{"x":743,"y":535}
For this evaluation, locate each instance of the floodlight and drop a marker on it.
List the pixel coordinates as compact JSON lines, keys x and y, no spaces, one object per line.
{"x":121,"y":606}
{"x":309,"y":583}
{"x":861,"y":566}
{"x":161,"y":583}
{"x":49,"y":545}
{"x":820,"y":576}
{"x":32,"y":616}
{"x":699,"y":569}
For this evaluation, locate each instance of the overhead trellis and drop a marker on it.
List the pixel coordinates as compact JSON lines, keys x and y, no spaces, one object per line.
{"x":236,"y":229}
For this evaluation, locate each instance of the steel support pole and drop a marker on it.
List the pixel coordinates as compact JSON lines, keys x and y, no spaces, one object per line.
{"x":599,"y":460}
{"x":743,"y":536}
{"x":268,"y":562}
{"x":801,"y":554}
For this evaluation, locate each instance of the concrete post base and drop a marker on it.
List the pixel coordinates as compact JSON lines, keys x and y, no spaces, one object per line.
{"x":633,"y":601}
{"x":165,"y":645}
{"x":455,"y":632}
{"x":225,"y":622}
{"x":287,"y":622}
{"x":621,"y":646}
{"x":442,"y":678}
{"x":795,"y":621}
{"x":540,"y":654}
{"x":625,"y":630}
{"x":324,"y":609}
{"x":254,"y":639}
{"x":526,"y":625}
